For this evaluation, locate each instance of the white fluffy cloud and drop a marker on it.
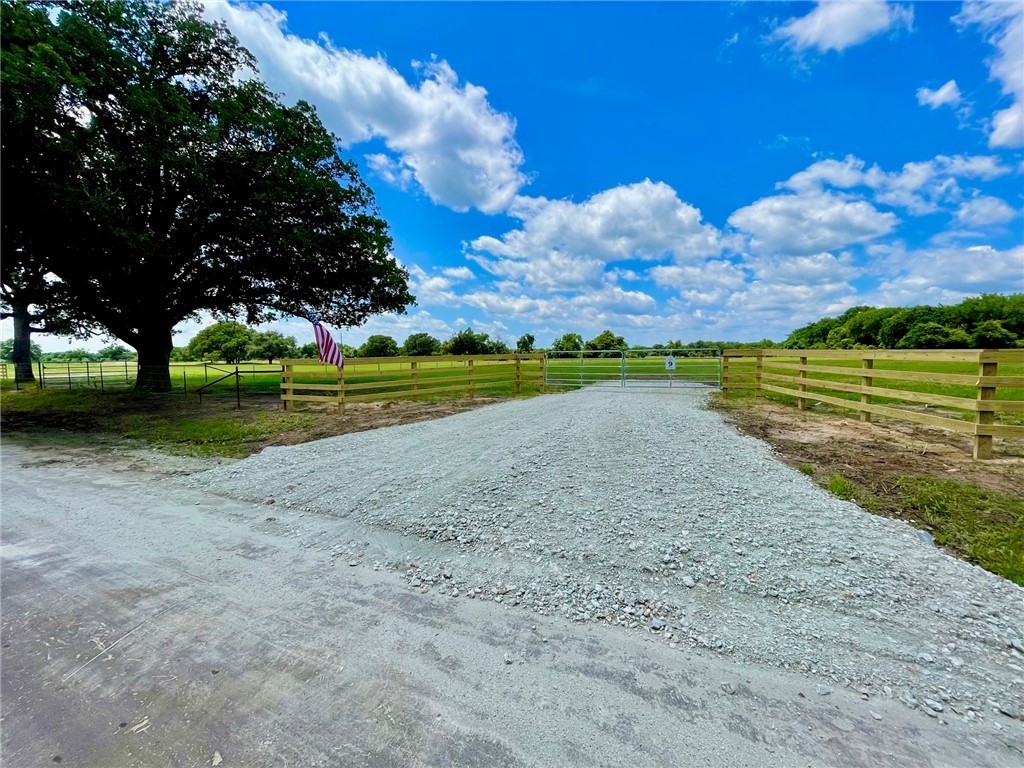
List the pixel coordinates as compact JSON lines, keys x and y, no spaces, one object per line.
{"x":1002,"y":24}
{"x":835,"y":25}
{"x":984,"y":211}
{"x":947,"y":95}
{"x":442,"y":135}
{"x":920,"y":187}
{"x":810,"y":222}
{"x":946,"y":275}
{"x":563,"y":244}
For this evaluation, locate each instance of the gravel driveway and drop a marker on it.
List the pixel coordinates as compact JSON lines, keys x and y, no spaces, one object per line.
{"x":645,"y":511}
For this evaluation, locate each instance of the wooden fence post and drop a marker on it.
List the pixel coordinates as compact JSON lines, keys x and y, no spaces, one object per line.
{"x":801,"y":402}
{"x":543,"y":372}
{"x":413,"y":365}
{"x":340,"y":375}
{"x":469,"y":376}
{"x":985,"y":413}
{"x":866,"y":364}
{"x":725,"y":373}
{"x":758,"y":370}
{"x":285,"y":379}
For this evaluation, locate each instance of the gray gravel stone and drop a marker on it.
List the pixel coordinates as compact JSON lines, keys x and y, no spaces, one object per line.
{"x":562,"y":494}
{"x":822,"y":689}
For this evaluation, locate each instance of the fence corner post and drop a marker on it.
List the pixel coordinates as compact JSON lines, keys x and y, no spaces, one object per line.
{"x":866,"y":363}
{"x":758,"y":371}
{"x":984,"y":412}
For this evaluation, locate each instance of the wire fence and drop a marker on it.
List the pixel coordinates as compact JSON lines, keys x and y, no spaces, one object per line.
{"x":186,"y":378}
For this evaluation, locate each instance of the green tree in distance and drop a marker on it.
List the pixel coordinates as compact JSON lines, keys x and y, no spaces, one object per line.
{"x":469,"y":342}
{"x":186,"y":186}
{"x":570,"y":342}
{"x":606,"y":340}
{"x":115,"y":352}
{"x":525,"y":343}
{"x":227,"y":340}
{"x":420,"y":345}
{"x":271,"y":345}
{"x":308,"y":351}
{"x":379,"y":346}
{"x":7,"y":352}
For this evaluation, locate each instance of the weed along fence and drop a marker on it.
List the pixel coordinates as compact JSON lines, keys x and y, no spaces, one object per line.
{"x":979,"y":392}
{"x":364,"y":379}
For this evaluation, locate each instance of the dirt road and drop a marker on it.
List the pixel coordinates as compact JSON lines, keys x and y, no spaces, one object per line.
{"x":144,"y":624}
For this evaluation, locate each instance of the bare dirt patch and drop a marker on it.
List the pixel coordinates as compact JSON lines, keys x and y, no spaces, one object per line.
{"x":873,"y":454}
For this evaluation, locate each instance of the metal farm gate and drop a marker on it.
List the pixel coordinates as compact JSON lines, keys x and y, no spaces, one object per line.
{"x":634,"y":368}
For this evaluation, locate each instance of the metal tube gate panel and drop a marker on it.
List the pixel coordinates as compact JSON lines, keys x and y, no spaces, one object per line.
{"x":634,"y":368}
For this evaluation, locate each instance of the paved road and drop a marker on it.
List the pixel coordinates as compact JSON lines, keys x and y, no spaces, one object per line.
{"x":147,"y":625}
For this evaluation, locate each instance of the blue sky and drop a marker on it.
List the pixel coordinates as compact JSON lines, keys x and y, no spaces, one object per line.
{"x":666,"y":170}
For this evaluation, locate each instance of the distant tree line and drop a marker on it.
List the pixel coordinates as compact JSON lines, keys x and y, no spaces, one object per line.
{"x":606,"y":341}
{"x":108,"y":353}
{"x":987,"y":321}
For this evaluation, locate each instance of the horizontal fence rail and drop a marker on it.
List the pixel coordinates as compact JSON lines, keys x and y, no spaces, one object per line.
{"x":365,"y":379}
{"x":973,"y":393}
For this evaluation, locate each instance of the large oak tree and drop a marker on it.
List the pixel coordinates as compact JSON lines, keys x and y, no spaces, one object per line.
{"x":187,"y":185}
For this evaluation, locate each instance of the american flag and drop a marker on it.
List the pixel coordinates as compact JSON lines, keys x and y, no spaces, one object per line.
{"x":329,"y":352}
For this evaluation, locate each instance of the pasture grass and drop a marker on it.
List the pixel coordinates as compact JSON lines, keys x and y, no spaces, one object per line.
{"x":982,"y":526}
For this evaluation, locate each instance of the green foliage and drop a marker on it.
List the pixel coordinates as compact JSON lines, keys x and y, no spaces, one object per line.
{"x":116,"y":352}
{"x":525,"y":343}
{"x":570,"y":342}
{"x":934,"y":336}
{"x":270,"y":346}
{"x":807,"y":469}
{"x":421,"y":345}
{"x":379,"y":346}
{"x":7,"y":351}
{"x":308,"y":351}
{"x":984,"y":526}
{"x":227,"y":340}
{"x":606,"y":340}
{"x":991,"y":334}
{"x":468,"y":342}
{"x":987,"y":321}
{"x":186,"y":186}
{"x":70,"y":356}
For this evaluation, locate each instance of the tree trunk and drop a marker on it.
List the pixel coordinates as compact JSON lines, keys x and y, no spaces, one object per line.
{"x":154,"y":350}
{"x":22,"y":351}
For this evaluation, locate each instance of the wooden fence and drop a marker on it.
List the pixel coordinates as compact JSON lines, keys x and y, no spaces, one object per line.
{"x":971,"y":402}
{"x":363,"y":379}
